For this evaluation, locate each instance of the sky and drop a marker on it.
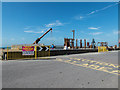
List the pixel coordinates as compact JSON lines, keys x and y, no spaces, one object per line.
{"x":24,"y":22}
{"x":60,"y":0}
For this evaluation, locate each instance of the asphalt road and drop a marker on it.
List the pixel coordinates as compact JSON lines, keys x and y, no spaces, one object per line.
{"x":92,"y":70}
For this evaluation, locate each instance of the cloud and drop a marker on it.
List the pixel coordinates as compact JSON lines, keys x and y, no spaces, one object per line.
{"x":54,"y":24}
{"x":81,"y":17}
{"x":116,"y":32}
{"x":94,"y":28}
{"x":52,"y":39}
{"x":22,"y":38}
{"x":96,"y":33}
{"x":28,"y":27}
{"x":35,"y":29}
{"x":91,"y":12}
{"x":78,"y":17}
{"x":39,"y":32}
{"x":42,"y":28}
{"x":33,"y":32}
{"x":28,"y":31}
{"x":12,"y":39}
{"x":95,"y":11}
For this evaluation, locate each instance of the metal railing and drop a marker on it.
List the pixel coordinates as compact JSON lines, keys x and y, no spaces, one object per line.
{"x":102,"y":49}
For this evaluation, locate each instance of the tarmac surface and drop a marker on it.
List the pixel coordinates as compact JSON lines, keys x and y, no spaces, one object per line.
{"x":88,"y":70}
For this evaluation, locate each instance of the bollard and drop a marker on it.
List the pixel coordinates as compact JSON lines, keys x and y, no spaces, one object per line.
{"x":35,"y":52}
{"x":98,"y":49}
{"x":103,"y":49}
{"x":5,"y":56}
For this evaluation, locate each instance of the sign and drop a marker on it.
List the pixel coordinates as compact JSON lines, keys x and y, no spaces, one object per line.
{"x":102,"y":49}
{"x":27,"y":50}
{"x":43,"y":48}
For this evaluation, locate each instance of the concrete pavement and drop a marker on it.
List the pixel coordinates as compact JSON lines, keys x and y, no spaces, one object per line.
{"x":66,"y":71}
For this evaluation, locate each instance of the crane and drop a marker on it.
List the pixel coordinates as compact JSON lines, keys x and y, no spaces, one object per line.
{"x":38,"y":39}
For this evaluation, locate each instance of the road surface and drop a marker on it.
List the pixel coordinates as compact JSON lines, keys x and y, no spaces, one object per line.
{"x":89,"y":70}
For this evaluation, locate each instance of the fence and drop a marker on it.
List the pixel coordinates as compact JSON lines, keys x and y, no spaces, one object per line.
{"x":102,"y":49}
{"x":18,"y":54}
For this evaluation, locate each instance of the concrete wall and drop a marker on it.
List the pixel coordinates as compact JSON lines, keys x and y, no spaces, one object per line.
{"x":67,"y":52}
{"x":18,"y":55}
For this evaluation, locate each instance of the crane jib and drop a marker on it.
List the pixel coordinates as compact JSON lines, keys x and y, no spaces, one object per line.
{"x":36,"y":42}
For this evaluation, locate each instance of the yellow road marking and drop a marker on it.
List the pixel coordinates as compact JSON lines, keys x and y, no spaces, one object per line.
{"x":96,"y":62}
{"x":100,"y":66}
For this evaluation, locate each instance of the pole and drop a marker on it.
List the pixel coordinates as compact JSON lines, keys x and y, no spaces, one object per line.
{"x":93,"y":46}
{"x":72,"y":43}
{"x":49,"y":51}
{"x":73,"y":33}
{"x":35,"y":52}
{"x":84,"y":43}
{"x":88,"y":44}
{"x":103,"y":48}
{"x":98,"y":49}
{"x":76,"y":44}
{"x":80,"y":43}
{"x":7,"y":53}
